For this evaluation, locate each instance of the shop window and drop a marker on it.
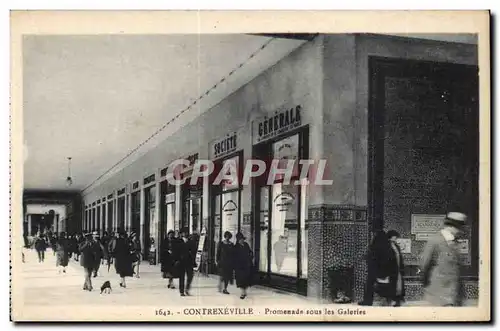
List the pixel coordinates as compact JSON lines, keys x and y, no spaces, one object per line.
{"x":282,"y":211}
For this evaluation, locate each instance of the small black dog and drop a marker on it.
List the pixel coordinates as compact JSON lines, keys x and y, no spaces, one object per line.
{"x":106,"y":287}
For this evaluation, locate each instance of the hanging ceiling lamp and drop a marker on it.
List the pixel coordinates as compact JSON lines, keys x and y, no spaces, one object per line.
{"x":69,"y":180}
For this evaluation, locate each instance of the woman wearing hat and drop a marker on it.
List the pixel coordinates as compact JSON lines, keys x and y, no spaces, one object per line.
{"x":167,"y":259}
{"x":122,"y":258}
{"x":440,"y":265}
{"x":225,"y":261}
{"x":63,"y":247}
{"x":395,"y":271}
{"x":243,"y":264}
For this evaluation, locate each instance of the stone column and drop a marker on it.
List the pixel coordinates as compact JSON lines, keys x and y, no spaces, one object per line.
{"x":103,"y":215}
{"x":129,"y":212}
{"x":156,"y":219}
{"x":115,"y":214}
{"x":178,"y":208}
{"x":142,"y":218}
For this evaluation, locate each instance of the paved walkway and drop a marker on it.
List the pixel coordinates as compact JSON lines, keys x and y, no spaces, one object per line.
{"x":45,"y":286}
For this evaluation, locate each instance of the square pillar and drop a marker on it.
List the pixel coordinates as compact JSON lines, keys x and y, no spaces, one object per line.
{"x":129,"y":213}
{"x":29,"y":225}
{"x":338,"y":225}
{"x":142,"y":217}
{"x":103,"y":214}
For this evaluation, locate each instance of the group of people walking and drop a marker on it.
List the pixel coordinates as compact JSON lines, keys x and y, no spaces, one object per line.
{"x":233,"y":260}
{"x":439,"y":268}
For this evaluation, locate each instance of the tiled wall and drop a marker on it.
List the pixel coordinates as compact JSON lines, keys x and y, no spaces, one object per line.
{"x":338,"y":236}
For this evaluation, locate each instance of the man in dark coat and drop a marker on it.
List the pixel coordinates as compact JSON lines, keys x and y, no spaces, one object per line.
{"x":40,"y":247}
{"x":89,"y":250}
{"x":440,"y":267}
{"x":184,"y":257}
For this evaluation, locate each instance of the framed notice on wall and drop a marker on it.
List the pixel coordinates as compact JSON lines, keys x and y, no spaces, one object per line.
{"x":426,"y":223}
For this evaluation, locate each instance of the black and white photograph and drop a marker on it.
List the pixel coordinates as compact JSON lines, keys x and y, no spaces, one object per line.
{"x":218,"y":169}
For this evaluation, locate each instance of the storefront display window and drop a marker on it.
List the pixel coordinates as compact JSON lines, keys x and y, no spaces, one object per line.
{"x":282,"y":211}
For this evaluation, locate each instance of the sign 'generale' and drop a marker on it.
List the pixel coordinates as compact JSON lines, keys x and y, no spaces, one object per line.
{"x":280,"y":123}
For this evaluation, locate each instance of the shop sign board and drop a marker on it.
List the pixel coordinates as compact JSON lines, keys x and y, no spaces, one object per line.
{"x":281,"y":122}
{"x":426,"y":223}
{"x":404,"y":245}
{"x":224,"y":146}
{"x":170,"y":198}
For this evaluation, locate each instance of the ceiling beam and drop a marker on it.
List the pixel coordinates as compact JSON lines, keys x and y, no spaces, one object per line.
{"x":295,"y":36}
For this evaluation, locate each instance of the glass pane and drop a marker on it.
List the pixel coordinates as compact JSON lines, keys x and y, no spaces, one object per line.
{"x":170,"y":217}
{"x":284,"y":229}
{"x":264,"y":226}
{"x":230,"y":212}
{"x":185,"y":214}
{"x":217,"y":219}
{"x":284,"y":150}
{"x":195,"y":217}
{"x":230,"y":167}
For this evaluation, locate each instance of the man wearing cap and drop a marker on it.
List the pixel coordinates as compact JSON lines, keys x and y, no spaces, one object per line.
{"x":440,"y":265}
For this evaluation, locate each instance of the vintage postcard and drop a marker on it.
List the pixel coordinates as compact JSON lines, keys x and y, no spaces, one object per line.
{"x":250,"y":166}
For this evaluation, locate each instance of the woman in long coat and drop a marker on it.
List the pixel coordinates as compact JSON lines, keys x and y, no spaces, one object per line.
{"x":225,"y":261}
{"x":243,"y":264}
{"x":63,"y":247}
{"x":122,"y":258}
{"x":167,"y":261}
{"x":395,"y":265}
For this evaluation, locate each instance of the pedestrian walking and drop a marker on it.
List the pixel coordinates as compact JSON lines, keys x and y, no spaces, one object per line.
{"x":225,"y":262}
{"x":40,"y":247}
{"x":89,"y":252}
{"x":120,"y":250}
{"x":376,"y":255}
{"x":63,"y":247}
{"x":136,"y":253}
{"x":184,"y":258}
{"x":440,"y":267}
{"x":243,"y":265}
{"x":167,"y":259}
{"x":101,"y":253}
